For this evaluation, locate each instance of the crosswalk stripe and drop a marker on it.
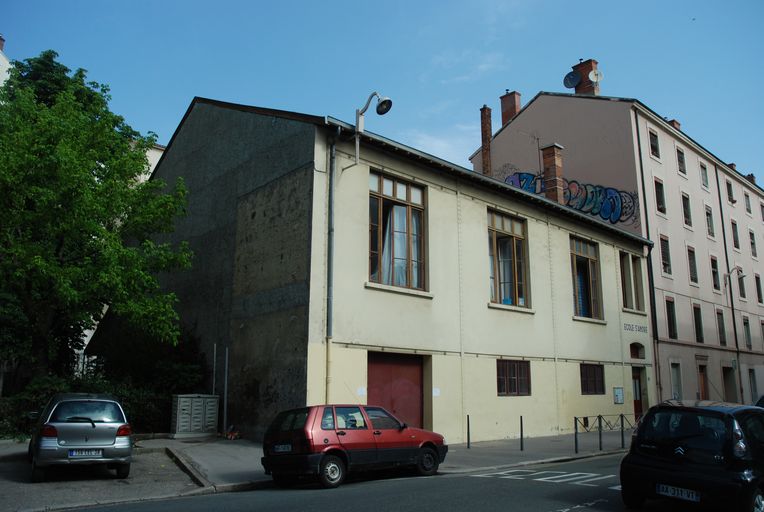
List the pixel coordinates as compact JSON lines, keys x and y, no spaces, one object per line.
{"x":586,"y":482}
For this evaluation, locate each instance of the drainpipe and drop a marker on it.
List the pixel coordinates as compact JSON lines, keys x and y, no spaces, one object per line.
{"x":330,"y":258}
{"x":728,"y":278}
{"x":650,"y":275}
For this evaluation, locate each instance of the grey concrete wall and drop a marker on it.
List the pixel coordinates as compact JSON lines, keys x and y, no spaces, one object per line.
{"x":249,"y":178}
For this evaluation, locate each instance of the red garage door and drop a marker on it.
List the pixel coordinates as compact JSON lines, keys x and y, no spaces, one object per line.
{"x":395,"y":383}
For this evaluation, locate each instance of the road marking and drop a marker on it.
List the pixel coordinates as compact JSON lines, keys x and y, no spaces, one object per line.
{"x":586,"y":482}
{"x":615,"y":487}
{"x":586,"y":504}
{"x":502,"y":474}
{"x":566,"y":477}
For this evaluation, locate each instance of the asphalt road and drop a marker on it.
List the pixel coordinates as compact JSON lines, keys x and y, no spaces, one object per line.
{"x":580,"y":486}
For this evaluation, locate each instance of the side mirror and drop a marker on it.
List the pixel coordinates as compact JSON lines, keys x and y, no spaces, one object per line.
{"x":403,"y":426}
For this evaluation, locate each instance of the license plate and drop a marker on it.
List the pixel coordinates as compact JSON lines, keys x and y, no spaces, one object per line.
{"x":90,"y":452}
{"x":281,"y":448}
{"x":677,"y":492}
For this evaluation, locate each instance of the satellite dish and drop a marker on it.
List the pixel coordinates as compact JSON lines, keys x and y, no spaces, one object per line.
{"x":595,"y":75}
{"x":572,"y":79}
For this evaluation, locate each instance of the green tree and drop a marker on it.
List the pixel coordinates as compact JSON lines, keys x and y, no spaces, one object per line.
{"x":78,"y":218}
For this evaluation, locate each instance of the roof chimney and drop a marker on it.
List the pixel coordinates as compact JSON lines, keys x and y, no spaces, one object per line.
{"x":751,"y":178}
{"x":586,"y":86}
{"x":732,"y":166}
{"x":486,"y":133}
{"x":510,"y":106}
{"x":675,"y":124}
{"x":554,"y":187}
{"x":2,"y":42}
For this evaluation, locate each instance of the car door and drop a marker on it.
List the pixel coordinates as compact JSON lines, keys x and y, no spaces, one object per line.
{"x":395,"y":443}
{"x":355,"y":436}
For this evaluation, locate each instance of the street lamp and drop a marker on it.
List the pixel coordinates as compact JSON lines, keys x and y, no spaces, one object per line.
{"x":384,"y":104}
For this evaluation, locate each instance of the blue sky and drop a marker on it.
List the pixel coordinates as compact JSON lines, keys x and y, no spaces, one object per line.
{"x":697,"y":61}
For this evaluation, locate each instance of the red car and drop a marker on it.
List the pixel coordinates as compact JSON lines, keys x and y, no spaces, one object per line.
{"x":329,"y":440}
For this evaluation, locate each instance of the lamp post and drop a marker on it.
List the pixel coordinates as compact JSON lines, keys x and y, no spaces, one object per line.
{"x":384,"y":104}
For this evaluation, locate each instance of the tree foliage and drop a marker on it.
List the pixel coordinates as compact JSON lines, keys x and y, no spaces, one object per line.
{"x":78,"y":216}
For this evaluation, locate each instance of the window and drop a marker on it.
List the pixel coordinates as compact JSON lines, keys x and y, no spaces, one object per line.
{"x":759,"y":295}
{"x":380,"y":419}
{"x":730,"y":194}
{"x":747,"y":332}
{"x":754,"y":253}
{"x":396,"y":232}
{"x":720,"y":328}
{"x":660,"y":197}
{"x":702,"y":382}
{"x":327,"y":420}
{"x":686,"y":211}
{"x":349,"y":418}
{"x":665,"y":255}
{"x":631,"y":282}
{"x":693,"y":265}
{"x":710,"y":221}
{"x":655,"y":149}
{"x":735,"y":237}
{"x":762,"y":211}
{"x":752,"y":383}
{"x":507,"y":252}
{"x":676,"y":381}
{"x":747,"y":201}
{"x":681,"y":165}
{"x":704,"y":175}
{"x":513,"y":378}
{"x":671,"y":318}
{"x":697,"y":320}
{"x":586,"y":278}
{"x":715,"y":273}
{"x":741,"y":284}
{"x":592,"y":379}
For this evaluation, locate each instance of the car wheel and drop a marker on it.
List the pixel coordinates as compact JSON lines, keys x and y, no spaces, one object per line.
{"x":38,"y":473}
{"x":123,"y":470}
{"x":331,"y":472}
{"x":427,"y":462}
{"x":633,"y":499}
{"x":756,"y":503}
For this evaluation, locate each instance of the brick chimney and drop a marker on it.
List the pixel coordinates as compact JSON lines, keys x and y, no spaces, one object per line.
{"x":732,"y":166}
{"x":2,"y":42}
{"x":554,"y":187}
{"x":751,"y":178}
{"x":676,"y":124}
{"x":510,"y":106}
{"x":486,"y":132}
{"x":586,"y":86}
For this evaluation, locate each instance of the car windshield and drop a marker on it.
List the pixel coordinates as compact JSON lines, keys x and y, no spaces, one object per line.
{"x":289,"y":420}
{"x":97,"y":411}
{"x":699,"y":430}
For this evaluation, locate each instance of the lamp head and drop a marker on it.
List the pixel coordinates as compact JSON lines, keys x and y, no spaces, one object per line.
{"x":384,"y":104}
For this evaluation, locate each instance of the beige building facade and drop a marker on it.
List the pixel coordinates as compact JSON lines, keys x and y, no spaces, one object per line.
{"x":401,"y":280}
{"x":627,"y":165}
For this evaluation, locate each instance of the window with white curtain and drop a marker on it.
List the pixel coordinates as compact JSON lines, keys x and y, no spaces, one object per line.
{"x":396,"y":232}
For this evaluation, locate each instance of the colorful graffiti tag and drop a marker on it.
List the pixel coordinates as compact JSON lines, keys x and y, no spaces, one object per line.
{"x":608,"y":203}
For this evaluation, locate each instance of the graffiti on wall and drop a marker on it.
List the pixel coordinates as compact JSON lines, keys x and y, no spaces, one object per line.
{"x":610,"y":204}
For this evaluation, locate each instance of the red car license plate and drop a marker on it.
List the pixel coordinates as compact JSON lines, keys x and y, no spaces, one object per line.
{"x":677,"y":492}
{"x":89,"y":452}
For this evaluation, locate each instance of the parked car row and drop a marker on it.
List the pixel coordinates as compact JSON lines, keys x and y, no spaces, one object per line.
{"x":325,"y":442}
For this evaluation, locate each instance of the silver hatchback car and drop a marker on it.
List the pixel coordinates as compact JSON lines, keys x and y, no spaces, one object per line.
{"x":79,"y":428}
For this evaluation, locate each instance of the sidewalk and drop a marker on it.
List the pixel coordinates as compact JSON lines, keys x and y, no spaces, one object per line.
{"x":219,"y":465}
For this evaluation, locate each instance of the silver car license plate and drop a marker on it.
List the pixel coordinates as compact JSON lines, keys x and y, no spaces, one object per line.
{"x":281,"y":448}
{"x":89,"y":452}
{"x":677,"y":492}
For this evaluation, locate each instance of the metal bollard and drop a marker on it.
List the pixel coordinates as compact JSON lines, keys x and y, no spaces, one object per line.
{"x":468,"y":431}
{"x":575,"y":431}
{"x":521,"y":434}
{"x":623,"y":441}
{"x":599,"y":428}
